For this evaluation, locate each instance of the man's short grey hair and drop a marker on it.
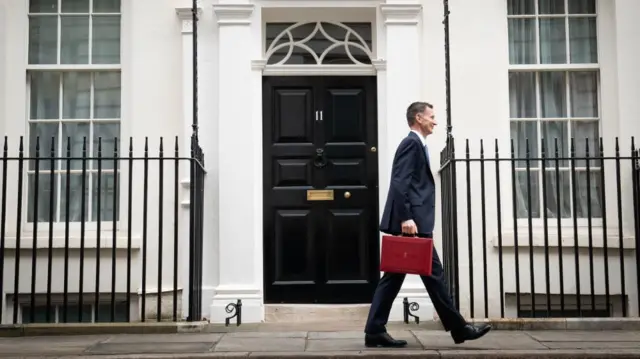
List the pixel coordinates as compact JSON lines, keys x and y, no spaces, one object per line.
{"x":414,"y":109}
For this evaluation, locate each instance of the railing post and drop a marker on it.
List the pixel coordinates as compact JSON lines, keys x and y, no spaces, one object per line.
{"x":192,"y":229}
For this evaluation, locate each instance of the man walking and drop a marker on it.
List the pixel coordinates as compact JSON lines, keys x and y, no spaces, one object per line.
{"x":410,"y":210}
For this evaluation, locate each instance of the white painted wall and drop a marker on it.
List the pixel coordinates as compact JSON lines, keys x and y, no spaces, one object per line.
{"x":156,"y":102}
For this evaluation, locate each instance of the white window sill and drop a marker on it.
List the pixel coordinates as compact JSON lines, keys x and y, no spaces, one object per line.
{"x":568,"y":240}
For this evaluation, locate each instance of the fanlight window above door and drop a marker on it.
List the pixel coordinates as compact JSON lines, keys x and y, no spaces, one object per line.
{"x":318,"y":43}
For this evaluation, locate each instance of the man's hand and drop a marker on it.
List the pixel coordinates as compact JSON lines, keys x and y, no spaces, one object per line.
{"x":409,"y":227}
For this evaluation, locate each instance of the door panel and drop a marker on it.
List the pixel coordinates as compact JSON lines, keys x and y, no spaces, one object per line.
{"x":318,"y":132}
{"x":294,"y":241}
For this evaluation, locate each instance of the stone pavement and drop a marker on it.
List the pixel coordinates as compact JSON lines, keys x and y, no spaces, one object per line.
{"x":328,"y":344}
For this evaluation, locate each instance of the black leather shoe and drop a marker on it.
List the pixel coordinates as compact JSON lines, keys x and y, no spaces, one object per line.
{"x":470,"y":332}
{"x":382,"y":340}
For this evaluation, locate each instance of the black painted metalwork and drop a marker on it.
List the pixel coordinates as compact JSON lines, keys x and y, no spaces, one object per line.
{"x":407,"y":308}
{"x":447,"y":66}
{"x":194,"y":24}
{"x":560,"y":291}
{"x":91,"y":259}
{"x":236,"y":309}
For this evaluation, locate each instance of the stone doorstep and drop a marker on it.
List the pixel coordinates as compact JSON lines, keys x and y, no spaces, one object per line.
{"x":584,"y":324}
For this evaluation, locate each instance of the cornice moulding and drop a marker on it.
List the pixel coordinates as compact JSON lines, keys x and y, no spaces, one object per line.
{"x":401,"y":14}
{"x":233,"y":14}
{"x":186,"y":15}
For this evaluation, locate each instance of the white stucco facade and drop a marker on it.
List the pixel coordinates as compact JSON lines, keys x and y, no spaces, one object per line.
{"x":409,"y":61}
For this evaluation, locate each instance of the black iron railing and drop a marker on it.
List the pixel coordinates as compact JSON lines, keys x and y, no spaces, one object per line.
{"x":91,"y":233}
{"x":535,"y":231}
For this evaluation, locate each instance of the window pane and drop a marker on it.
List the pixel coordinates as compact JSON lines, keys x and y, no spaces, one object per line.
{"x":46,"y":204}
{"x":72,"y":313}
{"x":107,"y":193}
{"x":76,"y":95}
{"x":74,"y":47}
{"x":582,"y":193}
{"x":75,"y":197}
{"x":76,"y":132}
{"x":106,"y":95}
{"x":45,"y":131}
{"x":552,"y":177}
{"x":521,"y":131}
{"x":586,"y":132}
{"x":522,"y":41}
{"x":106,"y":40}
{"x":106,"y":5}
{"x":551,"y":7}
{"x":555,"y":132}
{"x":40,"y":314}
{"x":584,"y":94}
{"x":522,"y":200}
{"x":522,"y":95}
{"x":45,"y":95}
{"x":104,"y":312}
{"x":43,"y":5}
{"x":582,"y":40}
{"x":43,"y":40}
{"x":521,"y":7}
{"x":581,"y":6}
{"x":75,"y":6}
{"x":553,"y":94}
{"x":108,"y":132}
{"x":553,"y":39}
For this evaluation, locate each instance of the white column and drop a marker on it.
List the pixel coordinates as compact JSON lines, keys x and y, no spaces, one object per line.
{"x":185,"y":15}
{"x":627,"y":30}
{"x":240,"y":164}
{"x":403,"y":40}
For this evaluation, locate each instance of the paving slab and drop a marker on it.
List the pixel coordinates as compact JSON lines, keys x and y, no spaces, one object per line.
{"x":332,"y":355}
{"x":592,"y":345}
{"x":567,"y":336}
{"x":357,"y":334}
{"x":493,"y":340}
{"x":344,"y":344}
{"x":228,"y":344}
{"x":149,"y":348}
{"x":164,"y":338}
{"x":353,"y":340}
{"x":404,"y":354}
{"x":62,"y":345}
{"x":547,"y":354}
{"x":266,"y":335}
{"x":319,"y":345}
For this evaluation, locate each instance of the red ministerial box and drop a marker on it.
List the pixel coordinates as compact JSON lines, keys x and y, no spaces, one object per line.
{"x":409,"y":255}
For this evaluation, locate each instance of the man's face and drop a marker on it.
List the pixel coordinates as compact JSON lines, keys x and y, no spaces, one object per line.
{"x":427,"y":121}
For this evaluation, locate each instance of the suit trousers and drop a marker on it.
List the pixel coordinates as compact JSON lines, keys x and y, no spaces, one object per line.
{"x":436,"y":286}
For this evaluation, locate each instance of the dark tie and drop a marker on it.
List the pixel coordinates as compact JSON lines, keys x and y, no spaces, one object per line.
{"x":426,"y":152}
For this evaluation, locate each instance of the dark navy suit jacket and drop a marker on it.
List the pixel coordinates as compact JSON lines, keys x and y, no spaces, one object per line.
{"x":412,"y":190}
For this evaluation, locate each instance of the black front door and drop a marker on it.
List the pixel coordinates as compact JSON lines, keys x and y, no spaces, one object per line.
{"x":320,"y":189}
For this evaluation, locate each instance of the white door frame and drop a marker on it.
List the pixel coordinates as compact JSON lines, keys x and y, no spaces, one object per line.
{"x":244,"y":24}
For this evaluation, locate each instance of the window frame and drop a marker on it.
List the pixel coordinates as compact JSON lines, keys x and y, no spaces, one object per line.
{"x":58,"y":306}
{"x":567,"y":68}
{"x":74,"y":226}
